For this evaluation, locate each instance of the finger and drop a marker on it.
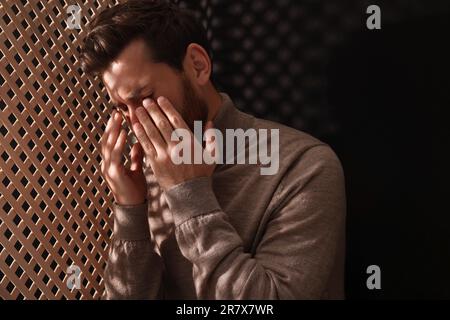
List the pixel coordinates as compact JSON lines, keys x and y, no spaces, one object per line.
{"x":136,"y":155}
{"x":150,"y":131}
{"x":208,"y":125}
{"x":117,"y":151}
{"x":210,"y":143}
{"x":159,"y":119}
{"x":104,"y":153}
{"x":105,"y":135}
{"x":172,"y":114}
{"x":145,"y":142}
{"x":102,"y":166}
{"x":112,"y":138}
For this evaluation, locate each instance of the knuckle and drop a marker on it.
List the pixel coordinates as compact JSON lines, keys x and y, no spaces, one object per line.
{"x":138,"y":131}
{"x":151,"y":153}
{"x":112,"y":172}
{"x":147,"y":124}
{"x":176,"y":121}
{"x":162,"y":124}
{"x":163,"y":157}
{"x":109,"y":143}
{"x":147,"y":146}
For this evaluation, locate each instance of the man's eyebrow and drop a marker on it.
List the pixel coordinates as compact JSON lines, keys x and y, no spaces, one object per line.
{"x":132,"y":96}
{"x":136,"y":93}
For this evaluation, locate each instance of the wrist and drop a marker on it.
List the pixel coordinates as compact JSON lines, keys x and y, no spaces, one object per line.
{"x":191,"y":198}
{"x":130,"y":201}
{"x":131,"y":221}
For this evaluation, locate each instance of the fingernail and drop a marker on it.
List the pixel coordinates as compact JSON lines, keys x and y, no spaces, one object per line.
{"x":147,"y":102}
{"x":161,"y":99}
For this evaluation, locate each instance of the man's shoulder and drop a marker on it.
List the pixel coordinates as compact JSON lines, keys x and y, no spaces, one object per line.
{"x":296,"y":149}
{"x":304,"y":158}
{"x":295,"y":142}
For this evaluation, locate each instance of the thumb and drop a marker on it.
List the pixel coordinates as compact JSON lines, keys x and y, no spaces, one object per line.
{"x":137,"y":155}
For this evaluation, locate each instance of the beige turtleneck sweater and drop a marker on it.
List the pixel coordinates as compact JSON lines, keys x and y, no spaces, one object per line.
{"x":238,"y":234}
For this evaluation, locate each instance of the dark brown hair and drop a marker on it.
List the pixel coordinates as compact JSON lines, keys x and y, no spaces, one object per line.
{"x":166,"y":28}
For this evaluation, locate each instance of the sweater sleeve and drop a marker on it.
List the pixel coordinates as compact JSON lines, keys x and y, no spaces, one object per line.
{"x":134,"y":269}
{"x":294,"y":257}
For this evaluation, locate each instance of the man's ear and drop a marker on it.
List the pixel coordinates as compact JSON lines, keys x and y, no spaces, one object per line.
{"x":197,"y":64}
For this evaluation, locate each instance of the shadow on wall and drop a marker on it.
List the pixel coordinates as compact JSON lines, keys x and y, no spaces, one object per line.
{"x":390,"y":92}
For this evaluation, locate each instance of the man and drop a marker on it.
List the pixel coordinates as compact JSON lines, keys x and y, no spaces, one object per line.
{"x":205,"y":231}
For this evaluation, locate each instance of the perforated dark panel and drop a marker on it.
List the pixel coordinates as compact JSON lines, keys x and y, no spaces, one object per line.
{"x":273,"y":56}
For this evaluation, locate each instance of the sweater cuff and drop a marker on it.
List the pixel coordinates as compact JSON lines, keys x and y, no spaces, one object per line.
{"x":191,"y":198}
{"x":131,"y":221}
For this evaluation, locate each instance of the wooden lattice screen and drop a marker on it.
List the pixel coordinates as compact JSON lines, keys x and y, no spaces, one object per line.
{"x":54,"y":204}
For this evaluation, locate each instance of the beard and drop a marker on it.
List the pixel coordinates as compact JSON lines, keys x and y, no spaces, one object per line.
{"x":193,"y":108}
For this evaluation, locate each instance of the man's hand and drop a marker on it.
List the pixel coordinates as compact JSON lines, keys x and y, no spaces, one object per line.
{"x":128,"y":186}
{"x":156,"y":123}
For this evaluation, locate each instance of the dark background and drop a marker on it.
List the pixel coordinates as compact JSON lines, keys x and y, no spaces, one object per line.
{"x":380,"y":98}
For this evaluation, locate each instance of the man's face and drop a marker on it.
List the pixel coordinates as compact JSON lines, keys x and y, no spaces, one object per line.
{"x":133,"y":76}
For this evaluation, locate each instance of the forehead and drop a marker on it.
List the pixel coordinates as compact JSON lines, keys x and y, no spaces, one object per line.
{"x":132,"y":68}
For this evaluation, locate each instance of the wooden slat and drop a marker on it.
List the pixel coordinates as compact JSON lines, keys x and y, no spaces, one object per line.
{"x":50,"y":216}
